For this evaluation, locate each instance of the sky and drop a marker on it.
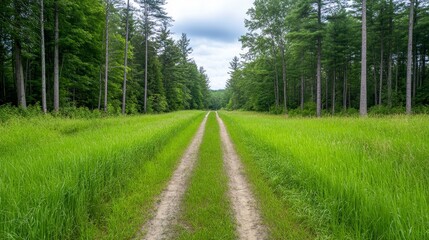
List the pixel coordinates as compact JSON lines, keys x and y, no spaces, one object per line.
{"x":214,"y":28}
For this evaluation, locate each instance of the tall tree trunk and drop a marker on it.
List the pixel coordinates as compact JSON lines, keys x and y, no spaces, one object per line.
{"x":56,"y":63}
{"x":302,"y":89}
{"x":146,"y":56}
{"x":106,"y":66}
{"x":333,"y":91}
{"x":410,"y":56}
{"x":282,"y":47}
{"x":374,"y":78}
{"x":19,"y":74}
{"x":363,"y":98}
{"x":423,"y":66}
{"x":381,"y":71}
{"x":389,"y":81}
{"x":42,"y":46}
{"x":100,"y":88}
{"x":345,"y":88}
{"x":319,"y":62}
{"x":276,"y":80}
{"x":124,"y":91}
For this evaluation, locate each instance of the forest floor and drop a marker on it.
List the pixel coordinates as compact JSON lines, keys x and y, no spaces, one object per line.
{"x":244,"y":206}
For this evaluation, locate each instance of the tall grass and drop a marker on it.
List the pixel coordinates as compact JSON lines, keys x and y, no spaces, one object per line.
{"x":56,"y":174}
{"x":355,"y":178}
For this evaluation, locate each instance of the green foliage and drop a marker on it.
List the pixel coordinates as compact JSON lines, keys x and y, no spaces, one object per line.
{"x":174,"y":80}
{"x":293,"y":27}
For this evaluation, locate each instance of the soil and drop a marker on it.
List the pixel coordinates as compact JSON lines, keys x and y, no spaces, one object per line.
{"x":168,"y":205}
{"x":244,"y":205}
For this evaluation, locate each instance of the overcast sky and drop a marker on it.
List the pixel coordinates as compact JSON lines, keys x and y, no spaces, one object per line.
{"x":214,"y":28}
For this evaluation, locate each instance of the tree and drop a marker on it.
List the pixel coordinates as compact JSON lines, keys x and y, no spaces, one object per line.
{"x":106,"y":66}
{"x":363,"y":97}
{"x":410,"y":56}
{"x":56,"y":62}
{"x":17,"y":55}
{"x":42,"y":46}
{"x":124,"y":94}
{"x":153,"y":15}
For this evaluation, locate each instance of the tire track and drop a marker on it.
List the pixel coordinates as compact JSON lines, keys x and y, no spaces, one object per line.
{"x":244,"y":205}
{"x":169,"y":204}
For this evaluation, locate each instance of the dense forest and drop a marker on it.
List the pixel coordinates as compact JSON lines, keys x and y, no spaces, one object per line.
{"x":96,"y":54}
{"x":325,"y":56}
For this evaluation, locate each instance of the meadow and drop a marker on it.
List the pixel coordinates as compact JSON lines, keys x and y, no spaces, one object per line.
{"x":337,"y":178}
{"x":86,"y":179}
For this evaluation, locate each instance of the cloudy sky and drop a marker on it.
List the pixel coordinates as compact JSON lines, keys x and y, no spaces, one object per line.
{"x":214,"y":28}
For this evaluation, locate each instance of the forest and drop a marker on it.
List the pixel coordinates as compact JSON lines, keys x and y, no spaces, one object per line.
{"x":100,"y":55}
{"x":308,"y":56}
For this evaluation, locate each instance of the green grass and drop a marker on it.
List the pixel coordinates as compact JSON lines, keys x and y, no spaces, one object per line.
{"x":344,"y":178}
{"x":206,"y":212}
{"x":71,"y":179}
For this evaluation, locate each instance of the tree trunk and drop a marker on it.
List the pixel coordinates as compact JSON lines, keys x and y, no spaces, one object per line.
{"x":282,"y":47}
{"x":345,"y":89}
{"x":146,"y":56}
{"x":423,"y":66}
{"x":333,"y":91}
{"x":302,"y":91}
{"x":106,"y":66}
{"x":56,"y":63}
{"x":42,"y":46}
{"x":374,"y":79}
{"x":381,"y":71}
{"x":124,"y":91}
{"x":389,"y":60}
{"x":19,"y":75}
{"x":100,"y":88}
{"x":410,"y":56}
{"x":276,"y":80}
{"x":363,"y":98}
{"x":319,"y":63}
{"x":389,"y":81}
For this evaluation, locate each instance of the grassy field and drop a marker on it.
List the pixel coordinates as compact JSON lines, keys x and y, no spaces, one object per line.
{"x":206,"y":213}
{"x":339,"y":178}
{"x":82,"y":179}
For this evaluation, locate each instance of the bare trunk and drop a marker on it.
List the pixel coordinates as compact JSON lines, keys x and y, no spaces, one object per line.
{"x":381,"y":72}
{"x":100,"y":87}
{"x":146,"y":60}
{"x":410,"y":56}
{"x":282,"y":47}
{"x":19,"y":75}
{"x":333,"y":91}
{"x":319,"y":63}
{"x":302,"y":91}
{"x":106,"y":66}
{"x":276,"y":80}
{"x":42,"y":46}
{"x":389,"y":81}
{"x":124,"y":90}
{"x":363,"y":98}
{"x":345,"y":89}
{"x":56,"y":63}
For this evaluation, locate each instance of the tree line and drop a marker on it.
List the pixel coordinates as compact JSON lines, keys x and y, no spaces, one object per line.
{"x":332,"y":56}
{"x":97,"y":54}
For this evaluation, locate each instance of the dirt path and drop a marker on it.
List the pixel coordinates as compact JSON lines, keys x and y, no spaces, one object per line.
{"x":249,"y":224}
{"x":169,"y":203}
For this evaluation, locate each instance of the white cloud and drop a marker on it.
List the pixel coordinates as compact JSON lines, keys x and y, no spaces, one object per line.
{"x":214,"y":28}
